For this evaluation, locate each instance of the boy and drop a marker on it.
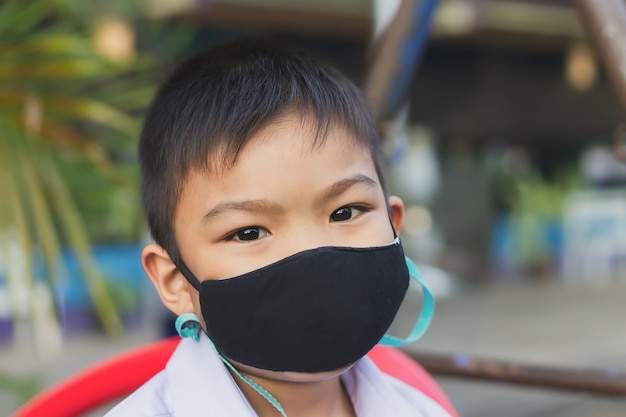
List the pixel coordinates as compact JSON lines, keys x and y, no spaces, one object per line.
{"x":275,"y":242}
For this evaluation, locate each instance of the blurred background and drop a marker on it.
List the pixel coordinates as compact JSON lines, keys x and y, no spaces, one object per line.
{"x":498,"y":118}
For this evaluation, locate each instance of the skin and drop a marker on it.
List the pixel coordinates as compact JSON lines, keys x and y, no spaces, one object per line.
{"x":282,"y":196}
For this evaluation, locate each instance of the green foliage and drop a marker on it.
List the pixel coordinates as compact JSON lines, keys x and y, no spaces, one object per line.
{"x":66,"y":128}
{"x":534,"y":201}
{"x":22,"y":388}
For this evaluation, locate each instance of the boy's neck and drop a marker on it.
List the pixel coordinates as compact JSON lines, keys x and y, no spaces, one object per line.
{"x":326,"y":398}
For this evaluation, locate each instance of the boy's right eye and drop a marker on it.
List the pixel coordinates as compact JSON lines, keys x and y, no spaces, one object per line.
{"x":248,"y":234}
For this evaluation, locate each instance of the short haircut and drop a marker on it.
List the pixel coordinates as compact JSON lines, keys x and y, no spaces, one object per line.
{"x":209,"y":108}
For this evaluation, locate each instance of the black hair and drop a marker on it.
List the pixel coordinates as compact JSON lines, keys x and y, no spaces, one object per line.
{"x":208,"y":109}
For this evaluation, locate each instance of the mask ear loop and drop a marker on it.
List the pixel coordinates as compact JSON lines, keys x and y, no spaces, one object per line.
{"x":425,"y":317}
{"x":189,"y":276}
{"x":254,"y":385}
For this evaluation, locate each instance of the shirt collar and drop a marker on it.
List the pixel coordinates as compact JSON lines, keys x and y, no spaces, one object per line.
{"x":196,"y":375}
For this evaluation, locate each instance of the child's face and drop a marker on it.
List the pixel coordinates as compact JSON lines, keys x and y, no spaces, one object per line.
{"x":281,"y":197}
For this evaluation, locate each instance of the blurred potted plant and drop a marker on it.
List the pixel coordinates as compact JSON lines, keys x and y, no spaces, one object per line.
{"x":526,"y":240}
{"x":64,"y":86}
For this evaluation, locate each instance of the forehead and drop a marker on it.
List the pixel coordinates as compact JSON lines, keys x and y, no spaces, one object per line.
{"x":300,"y":134}
{"x":289,"y":152}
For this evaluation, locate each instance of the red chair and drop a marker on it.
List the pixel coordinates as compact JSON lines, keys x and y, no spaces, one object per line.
{"x":122,"y":374}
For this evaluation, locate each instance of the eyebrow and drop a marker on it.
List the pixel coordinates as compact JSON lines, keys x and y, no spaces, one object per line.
{"x":342,"y":186}
{"x":250,"y":206}
{"x":265,"y":206}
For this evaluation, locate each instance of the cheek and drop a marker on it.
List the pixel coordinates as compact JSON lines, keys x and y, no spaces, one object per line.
{"x":379,"y":231}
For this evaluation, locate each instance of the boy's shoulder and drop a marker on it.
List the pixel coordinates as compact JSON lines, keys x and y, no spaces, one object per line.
{"x":150,"y":400}
{"x":179,"y":387}
{"x":194,"y":383}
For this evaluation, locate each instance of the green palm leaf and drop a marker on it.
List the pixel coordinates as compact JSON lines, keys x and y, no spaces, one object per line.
{"x":72,"y":97}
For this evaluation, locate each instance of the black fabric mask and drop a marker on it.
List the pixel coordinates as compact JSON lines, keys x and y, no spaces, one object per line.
{"x":318,"y":310}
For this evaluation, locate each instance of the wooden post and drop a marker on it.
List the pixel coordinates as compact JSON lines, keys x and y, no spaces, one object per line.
{"x":605,"y":23}
{"x":609,"y":382}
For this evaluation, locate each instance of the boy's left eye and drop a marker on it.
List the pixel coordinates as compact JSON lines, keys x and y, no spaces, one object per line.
{"x":344,"y":214}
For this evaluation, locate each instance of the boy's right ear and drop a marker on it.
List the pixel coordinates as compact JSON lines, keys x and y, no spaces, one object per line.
{"x":167,"y":279}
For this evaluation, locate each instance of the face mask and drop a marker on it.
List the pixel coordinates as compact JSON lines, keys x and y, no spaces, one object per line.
{"x":318,"y":310}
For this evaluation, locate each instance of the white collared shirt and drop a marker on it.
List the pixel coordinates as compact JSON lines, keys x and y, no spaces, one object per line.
{"x":195,"y":383}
